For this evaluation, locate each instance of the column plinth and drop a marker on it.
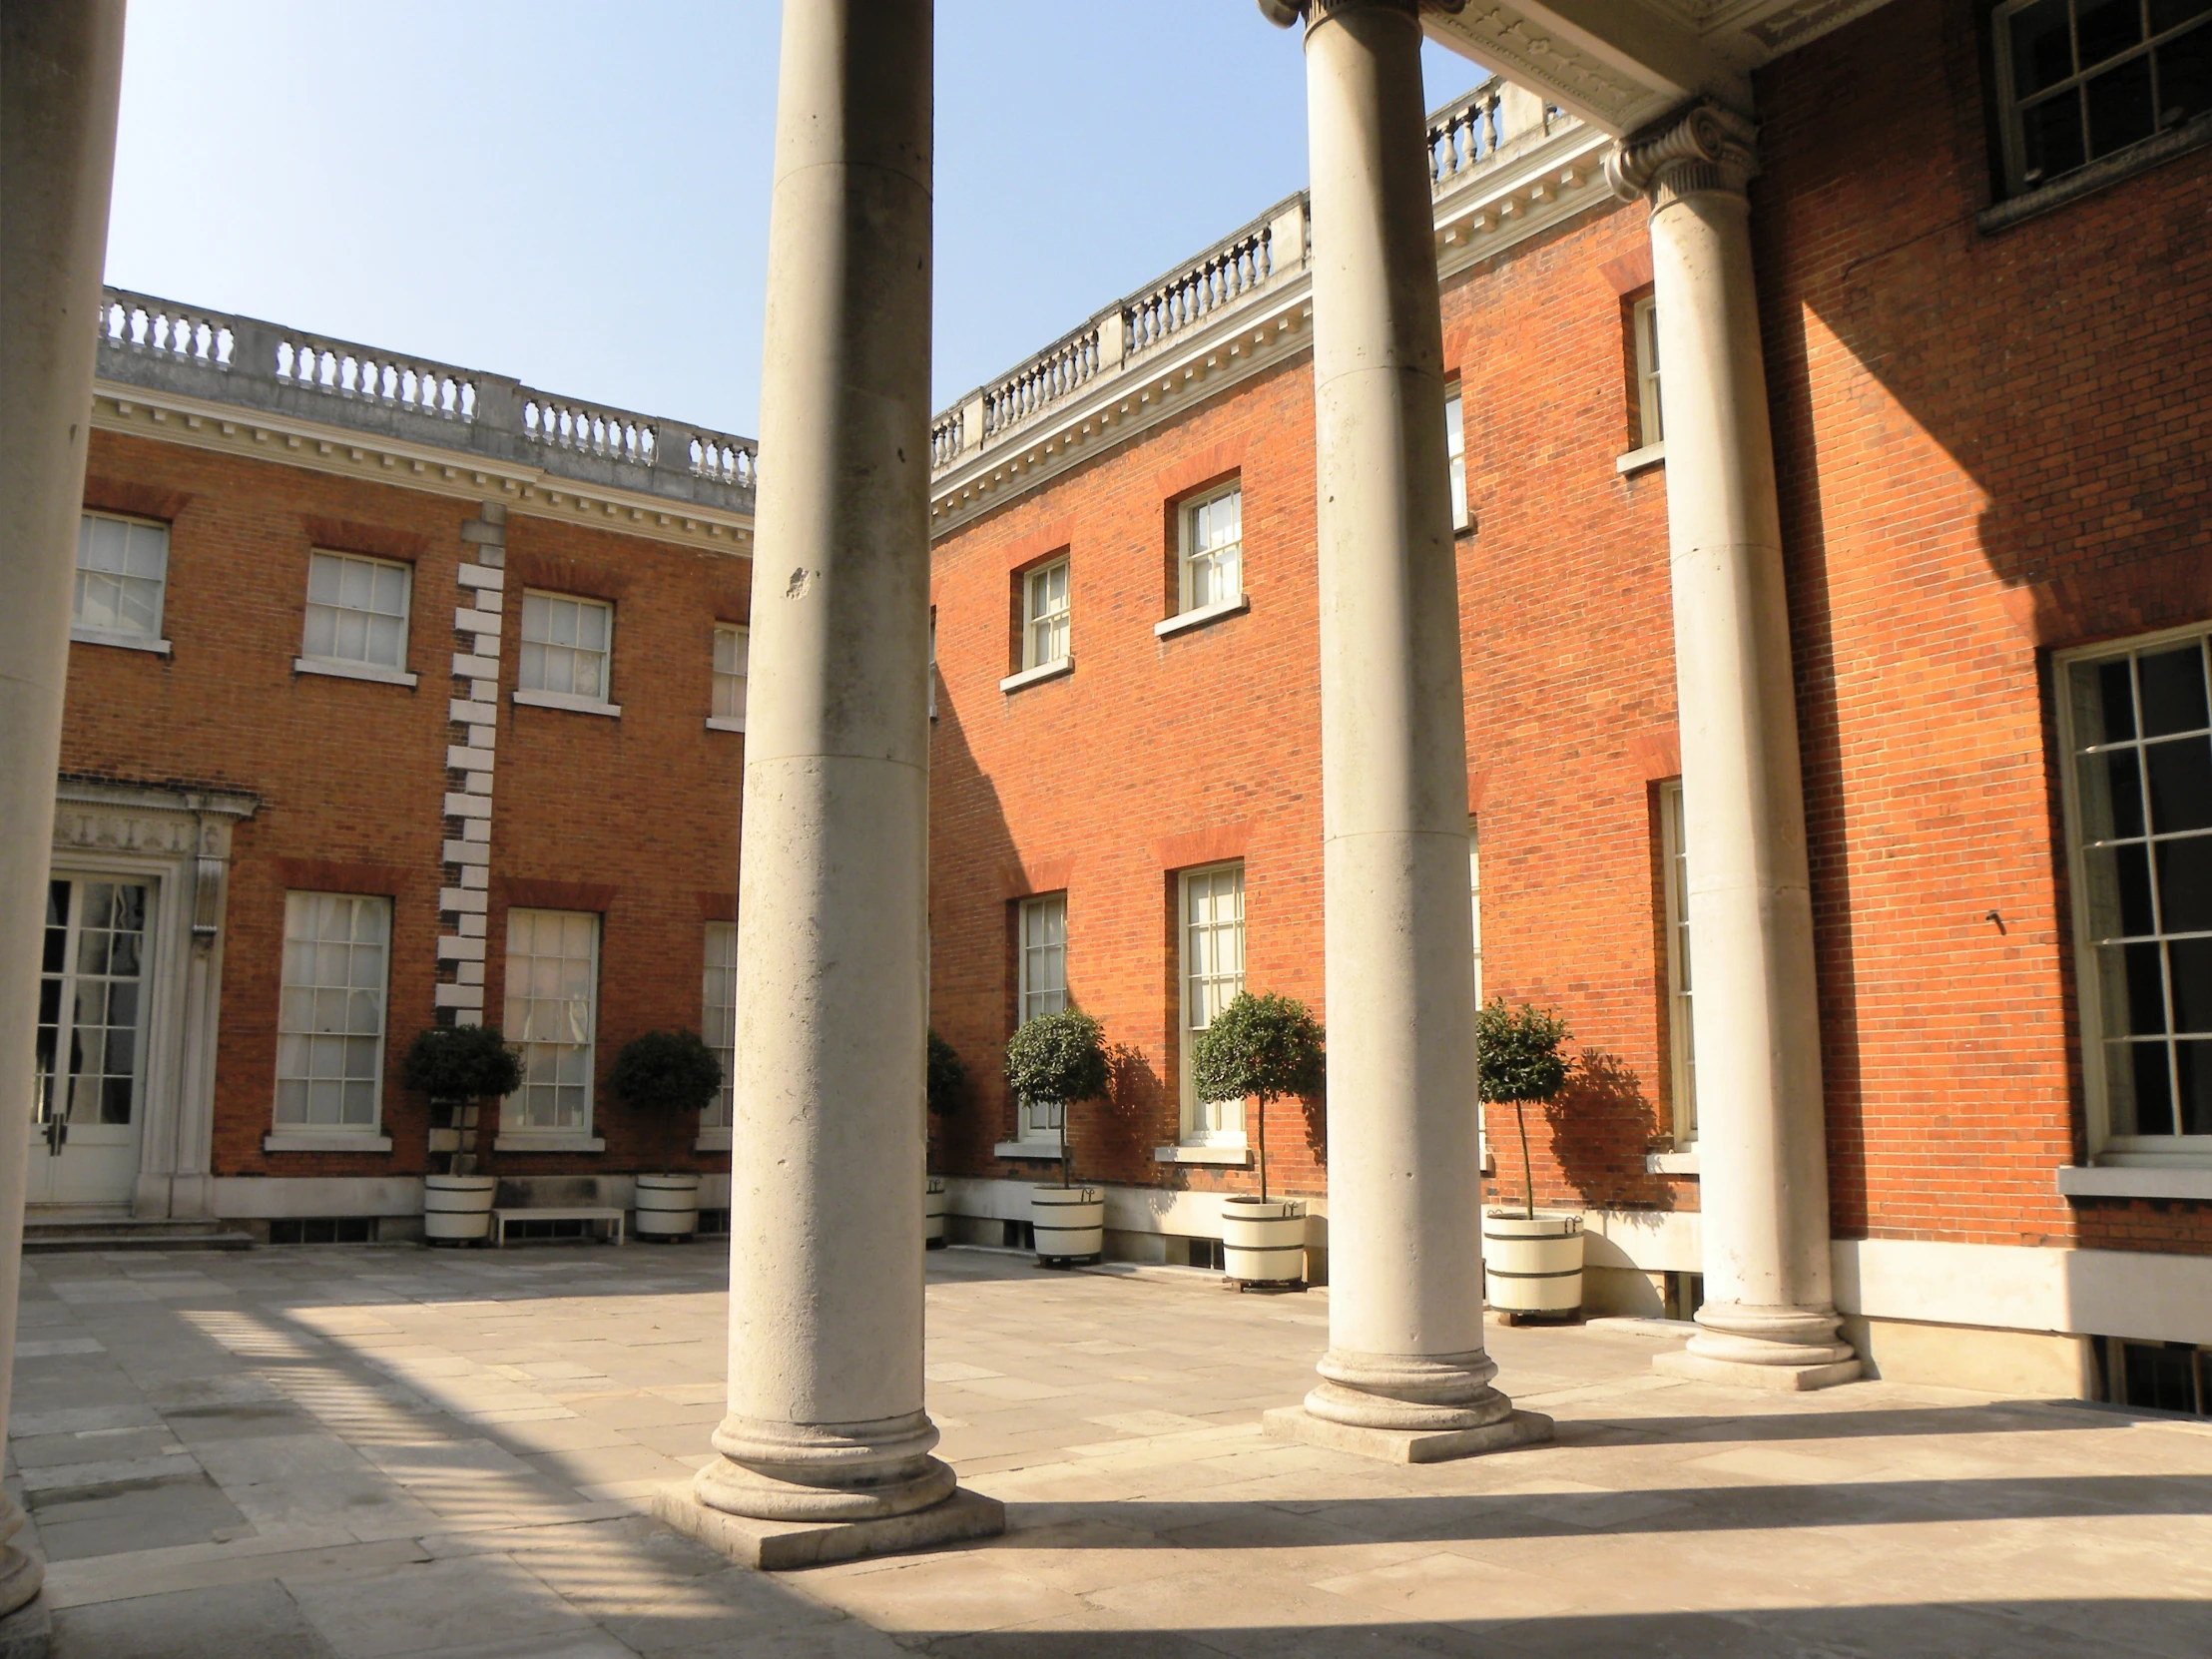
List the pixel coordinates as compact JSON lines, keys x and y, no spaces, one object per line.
{"x":824,"y":1472}
{"x":1406,"y":1377}
{"x":1770,"y":1318}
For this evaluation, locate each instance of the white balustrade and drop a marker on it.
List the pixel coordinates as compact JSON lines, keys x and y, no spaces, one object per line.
{"x":726,"y":460}
{"x":590,"y":431}
{"x":1216,"y":280}
{"x":361,"y":372}
{"x":132,"y":322}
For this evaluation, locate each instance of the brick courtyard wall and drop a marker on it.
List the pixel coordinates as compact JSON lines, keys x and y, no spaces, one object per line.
{"x":350,"y":774}
{"x":1155,"y":755}
{"x":1992,"y":447}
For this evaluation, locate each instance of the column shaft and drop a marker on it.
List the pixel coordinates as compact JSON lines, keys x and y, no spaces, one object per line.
{"x":1405,"y":1234}
{"x":61,"y":70}
{"x":1756,"y":1013}
{"x":826,"y":1418}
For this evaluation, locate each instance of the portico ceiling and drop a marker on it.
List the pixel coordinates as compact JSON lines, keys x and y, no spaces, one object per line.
{"x":1621,"y":64}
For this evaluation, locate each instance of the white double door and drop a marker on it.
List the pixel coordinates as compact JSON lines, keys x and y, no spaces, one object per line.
{"x":89,"y":1086}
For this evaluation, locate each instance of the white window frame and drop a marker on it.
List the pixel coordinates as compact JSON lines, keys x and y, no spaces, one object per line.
{"x":728,"y":706}
{"x":356,"y":667}
{"x":2010,"y":106}
{"x":1474,"y":909}
{"x":514,"y":1129}
{"x":537,"y":696}
{"x":1192,"y":555}
{"x":1456,"y":453}
{"x":53,"y":1092}
{"x":99,"y":633}
{"x":1681,"y":1033}
{"x":292,"y":1132}
{"x":2106,"y":1147}
{"x":1643,"y":319}
{"x":1225,"y":1125}
{"x":718,"y":1023}
{"x":1040,"y":992}
{"x":1046,"y":623}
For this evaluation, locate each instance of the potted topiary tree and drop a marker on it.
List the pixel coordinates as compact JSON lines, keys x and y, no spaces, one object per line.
{"x":458,"y":1066}
{"x":1061,"y":1058}
{"x":671,"y":1075}
{"x":947,"y":1082}
{"x":1261,"y":1048}
{"x":1532,"y":1261}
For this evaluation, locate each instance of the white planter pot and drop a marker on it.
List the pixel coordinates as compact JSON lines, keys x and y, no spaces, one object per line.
{"x":932,"y":1213}
{"x":457,"y":1208}
{"x":1263,"y":1239}
{"x":1533,"y":1266}
{"x":667,"y":1205}
{"x":1069,"y":1222}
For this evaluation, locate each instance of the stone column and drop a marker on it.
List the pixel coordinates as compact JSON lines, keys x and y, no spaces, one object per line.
{"x":1405,"y":1375}
{"x":1769,"y":1317}
{"x":61,"y":72}
{"x":826,"y":1440}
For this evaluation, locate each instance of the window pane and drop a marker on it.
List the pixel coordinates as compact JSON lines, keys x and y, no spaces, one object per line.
{"x":2185,"y":71}
{"x":2173,"y":691}
{"x":2185,"y":884}
{"x":2103,"y":28}
{"x":2180,"y":784}
{"x":2042,"y":47}
{"x":2051,"y":142}
{"x":2120,"y":111}
{"x":2152,"y":1091}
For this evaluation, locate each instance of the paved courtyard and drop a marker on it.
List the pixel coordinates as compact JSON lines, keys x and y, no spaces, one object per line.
{"x":372,"y":1452}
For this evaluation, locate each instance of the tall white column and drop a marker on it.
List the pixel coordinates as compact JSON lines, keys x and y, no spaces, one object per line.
{"x":826,"y":1422}
{"x":1769,"y":1316}
{"x":1406,"y":1375}
{"x":61,"y":73}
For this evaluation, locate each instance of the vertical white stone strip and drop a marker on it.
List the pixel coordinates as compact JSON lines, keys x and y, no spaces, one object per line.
{"x":1769,"y":1317}
{"x":61,"y":67}
{"x":825,"y":1419}
{"x":1405,"y":1352}
{"x":479,"y":617}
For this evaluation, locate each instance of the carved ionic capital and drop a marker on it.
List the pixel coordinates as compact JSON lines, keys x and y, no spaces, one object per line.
{"x":1705,"y":148}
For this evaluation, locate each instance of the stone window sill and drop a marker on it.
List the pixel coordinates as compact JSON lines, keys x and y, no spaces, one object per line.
{"x":569,"y":701}
{"x":1652,"y":455}
{"x":1200,"y":617}
{"x":548,"y":1142}
{"x":335,"y":1141}
{"x":1239,"y":1157}
{"x":711,"y":1140}
{"x":81,"y":635}
{"x":354,"y":671}
{"x":1049,"y":1151}
{"x":1670,"y":1163}
{"x":2136,"y":1180}
{"x":2003,"y":216}
{"x":726,"y":723}
{"x":1038,"y":675}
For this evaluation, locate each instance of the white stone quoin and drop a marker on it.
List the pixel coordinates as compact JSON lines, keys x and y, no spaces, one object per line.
{"x":63,"y":78}
{"x":1769,"y":1317}
{"x":1405,"y":1375}
{"x":826,"y":1436}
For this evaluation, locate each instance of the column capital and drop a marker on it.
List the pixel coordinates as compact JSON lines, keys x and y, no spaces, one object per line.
{"x":1705,"y":148}
{"x":1285,"y":13}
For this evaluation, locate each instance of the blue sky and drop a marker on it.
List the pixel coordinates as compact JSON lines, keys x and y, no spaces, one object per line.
{"x":577,"y":194}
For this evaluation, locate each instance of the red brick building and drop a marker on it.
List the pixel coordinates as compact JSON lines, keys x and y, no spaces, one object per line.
{"x":400,"y":694}
{"x":1988,"y":386}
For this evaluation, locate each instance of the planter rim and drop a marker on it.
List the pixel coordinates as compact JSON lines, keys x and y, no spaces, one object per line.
{"x":1090,"y":1193}
{"x":461,"y":1183}
{"x":1573,"y":1216}
{"x":675,"y":1180}
{"x":1287,"y":1205}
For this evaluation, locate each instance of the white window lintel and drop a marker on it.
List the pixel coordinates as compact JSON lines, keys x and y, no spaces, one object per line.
{"x":352,"y":670}
{"x":1651,"y":454}
{"x":80,"y":634}
{"x":1200,"y":616}
{"x":726,"y":723}
{"x":569,"y":701}
{"x":1037,"y":674}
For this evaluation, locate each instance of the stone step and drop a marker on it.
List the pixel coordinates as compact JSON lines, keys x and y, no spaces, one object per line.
{"x":47,"y":1237}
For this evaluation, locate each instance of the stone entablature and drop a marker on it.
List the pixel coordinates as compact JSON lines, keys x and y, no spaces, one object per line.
{"x":1503,"y":166}
{"x":235,"y":382}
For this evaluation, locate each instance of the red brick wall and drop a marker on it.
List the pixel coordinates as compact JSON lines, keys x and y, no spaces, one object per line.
{"x":1991,"y":446}
{"x":353,"y":773}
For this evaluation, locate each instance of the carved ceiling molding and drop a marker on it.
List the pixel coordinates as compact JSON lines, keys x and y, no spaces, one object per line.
{"x":1540,"y":59}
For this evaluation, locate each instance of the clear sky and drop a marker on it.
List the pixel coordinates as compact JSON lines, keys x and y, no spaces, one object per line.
{"x":577,"y":194}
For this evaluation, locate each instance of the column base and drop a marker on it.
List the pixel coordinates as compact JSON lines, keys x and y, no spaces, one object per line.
{"x":1781,"y":1379}
{"x":777,"y":1546}
{"x":1407,"y":1445}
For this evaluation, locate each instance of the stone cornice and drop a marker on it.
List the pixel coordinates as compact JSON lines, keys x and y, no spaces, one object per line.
{"x":289,"y":441}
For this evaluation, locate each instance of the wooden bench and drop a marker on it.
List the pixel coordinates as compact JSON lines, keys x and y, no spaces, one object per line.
{"x":610,"y":1217}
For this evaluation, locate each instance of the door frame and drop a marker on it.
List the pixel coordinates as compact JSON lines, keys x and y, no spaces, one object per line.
{"x":178,"y":843}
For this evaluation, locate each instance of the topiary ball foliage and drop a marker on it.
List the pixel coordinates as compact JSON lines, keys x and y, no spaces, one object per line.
{"x":666,"y":1071}
{"x":462,"y":1062}
{"x":1057,"y":1057}
{"x":1517,"y":1051}
{"x":947,"y":1077}
{"x":1262,"y":1045}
